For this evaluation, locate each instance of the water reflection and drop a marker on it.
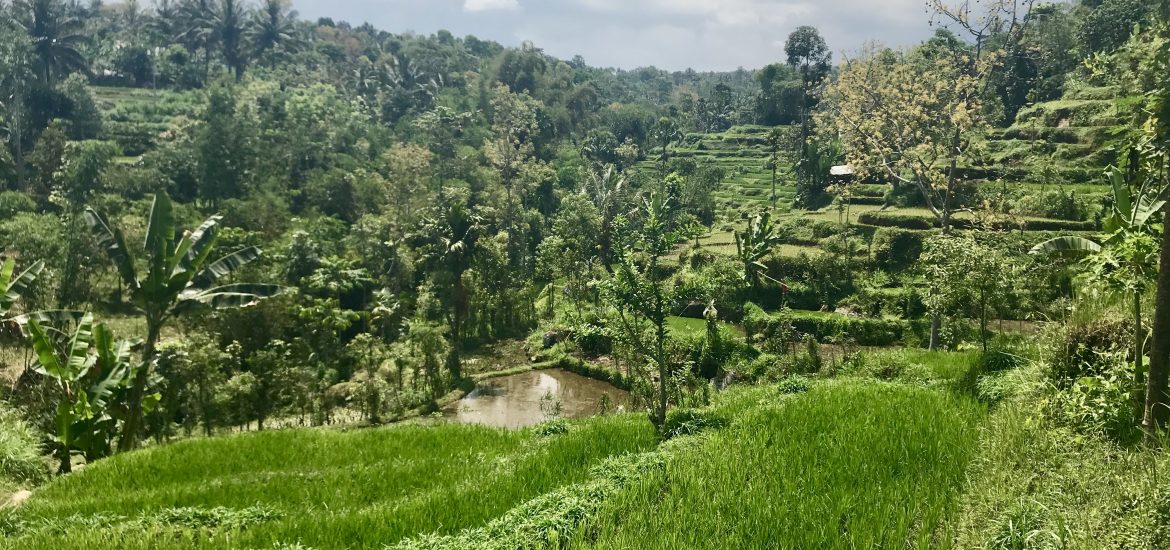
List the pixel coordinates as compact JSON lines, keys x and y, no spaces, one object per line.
{"x":514,"y":401}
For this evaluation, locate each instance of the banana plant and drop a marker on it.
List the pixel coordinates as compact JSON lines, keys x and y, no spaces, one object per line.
{"x":753,"y":244}
{"x":89,"y":367}
{"x":1126,"y":259}
{"x":14,"y":285}
{"x":179,"y":276}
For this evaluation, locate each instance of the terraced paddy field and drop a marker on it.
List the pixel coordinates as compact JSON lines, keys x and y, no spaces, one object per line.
{"x":134,"y":117}
{"x":835,"y":464}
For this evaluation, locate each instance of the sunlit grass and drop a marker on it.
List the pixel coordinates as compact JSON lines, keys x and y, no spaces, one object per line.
{"x":847,"y":465}
{"x":325,"y":489}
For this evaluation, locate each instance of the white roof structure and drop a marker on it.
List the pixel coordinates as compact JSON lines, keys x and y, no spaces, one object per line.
{"x":842,"y":170}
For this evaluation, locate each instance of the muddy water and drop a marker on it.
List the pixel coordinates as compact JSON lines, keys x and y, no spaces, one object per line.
{"x":514,"y":401}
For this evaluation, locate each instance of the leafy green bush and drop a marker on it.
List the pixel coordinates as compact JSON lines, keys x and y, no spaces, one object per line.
{"x":793,"y":384}
{"x":1101,"y":403}
{"x":552,"y":427}
{"x":896,"y":249}
{"x":15,"y":202}
{"x":1084,"y":347}
{"x":681,"y":422}
{"x":863,"y":331}
{"x":593,"y":339}
{"x":904,"y":221}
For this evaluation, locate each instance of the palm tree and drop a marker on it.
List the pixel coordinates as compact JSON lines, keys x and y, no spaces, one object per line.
{"x":196,"y":29}
{"x":56,"y":38}
{"x":178,"y":278}
{"x":166,"y":20}
{"x":447,"y":244}
{"x":273,"y":28}
{"x":230,"y":18}
{"x":1127,"y":258}
{"x":606,"y":189}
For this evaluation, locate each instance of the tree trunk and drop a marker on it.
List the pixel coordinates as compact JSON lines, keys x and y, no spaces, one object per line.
{"x":774,"y":160}
{"x":453,"y":361}
{"x":983,"y":319}
{"x":65,"y":464}
{"x":935,"y":330}
{"x":1138,"y":339}
{"x":1155,"y":411}
{"x":660,"y":414}
{"x":130,"y":428}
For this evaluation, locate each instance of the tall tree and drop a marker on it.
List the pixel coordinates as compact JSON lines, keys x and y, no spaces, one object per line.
{"x":640,"y":294}
{"x":807,"y":51}
{"x":231,"y":19}
{"x":447,"y":242}
{"x":16,"y":79}
{"x":273,"y":29}
{"x":197,"y":29}
{"x":57,"y":38}
{"x":809,"y":54}
{"x":179,"y":277}
{"x":907,"y":119}
{"x":1157,"y":407}
{"x":514,"y":128}
{"x":775,"y":145}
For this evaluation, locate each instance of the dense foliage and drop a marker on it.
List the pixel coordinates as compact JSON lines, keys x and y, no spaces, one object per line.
{"x":217,"y":216}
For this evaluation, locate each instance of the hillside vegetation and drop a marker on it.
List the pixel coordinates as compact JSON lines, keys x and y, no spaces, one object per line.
{"x":257,"y":271}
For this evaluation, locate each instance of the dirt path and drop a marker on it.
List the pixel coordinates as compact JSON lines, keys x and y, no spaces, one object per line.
{"x":16,"y":499}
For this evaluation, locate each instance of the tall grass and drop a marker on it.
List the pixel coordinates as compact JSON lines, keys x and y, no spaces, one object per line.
{"x":846,"y":465}
{"x":1037,"y":484}
{"x":323,"y":489}
{"x":20,"y":458}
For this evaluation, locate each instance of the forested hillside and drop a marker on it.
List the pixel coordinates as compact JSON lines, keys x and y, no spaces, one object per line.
{"x":887,"y":296}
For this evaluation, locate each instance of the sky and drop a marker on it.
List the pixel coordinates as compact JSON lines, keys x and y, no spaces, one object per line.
{"x":703,"y":35}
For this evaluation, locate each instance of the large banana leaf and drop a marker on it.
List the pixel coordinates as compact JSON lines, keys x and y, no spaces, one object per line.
{"x":226,"y":265}
{"x":14,"y":285}
{"x":160,"y":233}
{"x":76,"y":360}
{"x":194,"y":247}
{"x":112,"y":364}
{"x":114,"y":243}
{"x":1067,"y":246}
{"x":231,"y":296}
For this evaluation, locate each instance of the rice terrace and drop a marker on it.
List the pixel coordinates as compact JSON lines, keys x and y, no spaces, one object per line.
{"x":510,"y":274}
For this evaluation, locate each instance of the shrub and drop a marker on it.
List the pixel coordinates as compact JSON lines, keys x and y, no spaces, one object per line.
{"x":681,"y":422}
{"x":904,"y":221}
{"x":1101,"y":403}
{"x":896,"y":249}
{"x":1082,"y":348}
{"x":552,"y":427}
{"x":863,"y":331}
{"x":593,"y":339}
{"x":793,"y":384}
{"x":15,"y":202}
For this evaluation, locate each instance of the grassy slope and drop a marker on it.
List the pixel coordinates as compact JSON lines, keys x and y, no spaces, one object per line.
{"x":849,"y":465}
{"x":1039,"y":485}
{"x":327,"y":489}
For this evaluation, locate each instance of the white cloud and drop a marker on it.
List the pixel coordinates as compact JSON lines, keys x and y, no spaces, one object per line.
{"x":490,"y":5}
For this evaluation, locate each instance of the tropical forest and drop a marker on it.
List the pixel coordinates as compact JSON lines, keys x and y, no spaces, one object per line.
{"x":291,"y":282}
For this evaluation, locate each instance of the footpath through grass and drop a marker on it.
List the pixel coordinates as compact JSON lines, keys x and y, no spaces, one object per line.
{"x":317,"y":488}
